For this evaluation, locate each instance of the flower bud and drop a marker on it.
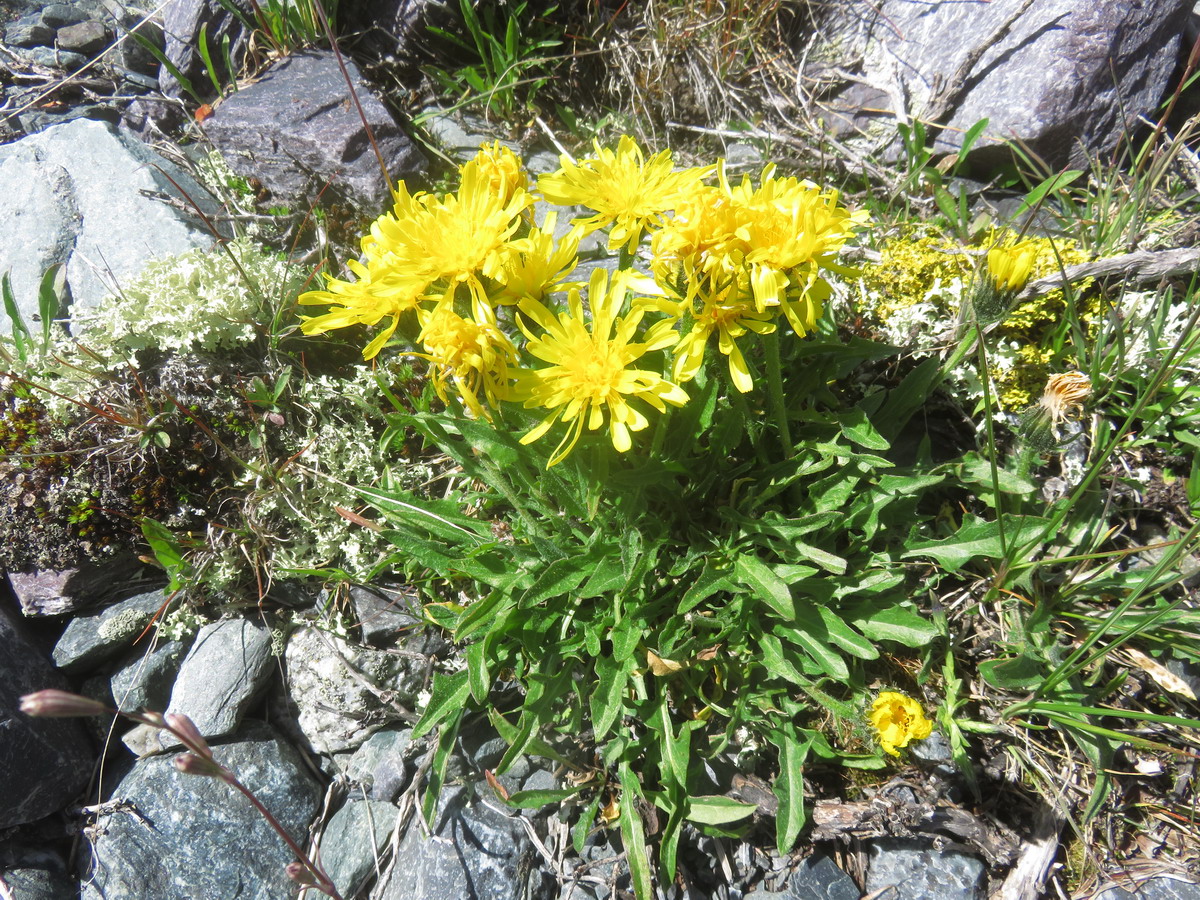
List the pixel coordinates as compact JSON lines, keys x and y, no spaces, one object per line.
{"x":185,"y":729}
{"x":61,"y":704}
{"x":193,"y":764}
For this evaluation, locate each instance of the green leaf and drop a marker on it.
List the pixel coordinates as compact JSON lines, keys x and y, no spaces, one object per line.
{"x":478,"y":677}
{"x":765,"y":585}
{"x":607,"y":701}
{"x":539,"y":798}
{"x":776,"y":661}
{"x":789,"y":791}
{"x":907,"y":398}
{"x":560,"y":577}
{"x":859,"y":429}
{"x":978,"y":539}
{"x":583,"y":827}
{"x":51,"y":292}
{"x":710,"y":581}
{"x":845,"y":636}
{"x":675,"y":750}
{"x":633,"y":836}
{"x":813,"y":640}
{"x":717,"y":810}
{"x":20,"y":333}
{"x":449,"y":696}
{"x":1014,"y":673}
{"x":901,"y":624}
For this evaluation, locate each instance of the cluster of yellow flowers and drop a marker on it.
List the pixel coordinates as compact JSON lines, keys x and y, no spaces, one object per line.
{"x":724,"y":259}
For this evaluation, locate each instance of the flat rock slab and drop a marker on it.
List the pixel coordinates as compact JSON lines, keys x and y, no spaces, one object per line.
{"x":91,"y":640}
{"x":227,"y":667}
{"x":334,"y":688}
{"x":474,"y":853}
{"x":44,"y":763}
{"x":918,"y":871}
{"x":145,"y":679}
{"x":73,"y":194}
{"x":353,"y":842}
{"x":297,"y":130}
{"x":1068,"y":79}
{"x":197,"y":837}
{"x":55,"y":592}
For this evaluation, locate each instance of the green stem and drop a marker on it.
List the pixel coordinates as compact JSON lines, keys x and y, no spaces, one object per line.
{"x":775,"y":396}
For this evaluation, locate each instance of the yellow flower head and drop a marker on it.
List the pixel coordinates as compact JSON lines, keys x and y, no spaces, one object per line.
{"x":504,"y":172}
{"x":1010,"y":266}
{"x":455,"y":240}
{"x":473,"y":353}
{"x":536,"y":265}
{"x":377,"y":293}
{"x":898,"y":719}
{"x":589,"y":360}
{"x":625,"y":189}
{"x":727,"y":311}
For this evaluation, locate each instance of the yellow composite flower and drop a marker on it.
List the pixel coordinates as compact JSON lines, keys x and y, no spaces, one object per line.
{"x":504,"y":172}
{"x":727,"y":311}
{"x":472,"y":353}
{"x":589,"y":376}
{"x":376,"y":294}
{"x":1010,"y":266}
{"x":537,"y":264}
{"x":456,"y":240}
{"x":898,"y":719}
{"x":627,"y":191}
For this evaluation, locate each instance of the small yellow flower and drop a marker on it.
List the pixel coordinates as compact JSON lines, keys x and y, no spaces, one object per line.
{"x":504,"y":172}
{"x":625,"y":189}
{"x":473,"y":353}
{"x":1011,"y":266}
{"x":536,"y":264}
{"x":729,"y":312}
{"x":589,"y":359}
{"x":378,"y":293}
{"x":898,"y":719}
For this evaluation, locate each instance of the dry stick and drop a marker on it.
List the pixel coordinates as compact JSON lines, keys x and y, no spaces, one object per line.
{"x":1142,"y":266}
{"x":1028,"y":876}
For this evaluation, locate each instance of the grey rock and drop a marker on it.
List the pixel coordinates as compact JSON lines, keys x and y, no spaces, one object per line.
{"x":817,"y":878}
{"x":40,"y":884}
{"x":73,"y":194}
{"x":353,"y":841}
{"x":1154,"y":889}
{"x":334,"y":689}
{"x":474,"y":853}
{"x":461,"y":135}
{"x":933,"y":749}
{"x":90,"y":640}
{"x":49,"y":58}
{"x":918,"y":871}
{"x":144,"y":681}
{"x":1069,"y":80}
{"x":540,"y":779}
{"x":296,"y":130}
{"x":197,"y":837}
{"x":379,"y":767}
{"x":398,"y":29}
{"x":226,"y":669}
{"x":383,"y":613}
{"x":62,"y":15}
{"x":183,"y":21}
{"x":28,"y":31}
{"x":54,"y":592}
{"x":88,"y":38}
{"x":44,"y":763}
